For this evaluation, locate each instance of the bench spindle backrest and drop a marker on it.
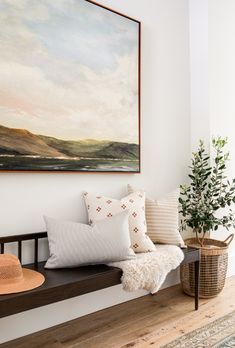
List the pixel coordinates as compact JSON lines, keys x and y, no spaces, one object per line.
{"x":19,"y":239}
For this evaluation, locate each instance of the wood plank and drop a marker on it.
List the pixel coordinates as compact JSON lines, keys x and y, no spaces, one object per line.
{"x":149,"y":321}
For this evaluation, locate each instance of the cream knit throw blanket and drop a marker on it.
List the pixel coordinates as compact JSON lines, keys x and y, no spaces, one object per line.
{"x":149,"y":270}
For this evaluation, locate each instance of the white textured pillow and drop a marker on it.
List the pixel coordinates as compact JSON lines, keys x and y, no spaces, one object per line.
{"x":100,"y":208}
{"x":74,"y":244}
{"x":163,"y":218}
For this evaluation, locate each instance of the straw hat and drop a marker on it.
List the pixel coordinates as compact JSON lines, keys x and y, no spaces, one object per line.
{"x":14,"y":278}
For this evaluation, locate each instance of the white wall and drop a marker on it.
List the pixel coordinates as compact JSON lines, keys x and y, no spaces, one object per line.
{"x":212,"y":81}
{"x":199,"y":75}
{"x":222,"y":84}
{"x":25,"y":198}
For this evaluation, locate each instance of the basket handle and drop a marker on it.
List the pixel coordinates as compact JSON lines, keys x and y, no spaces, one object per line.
{"x":229,"y":239}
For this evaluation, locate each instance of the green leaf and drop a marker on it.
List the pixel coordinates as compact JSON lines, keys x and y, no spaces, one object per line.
{"x":181,"y":200}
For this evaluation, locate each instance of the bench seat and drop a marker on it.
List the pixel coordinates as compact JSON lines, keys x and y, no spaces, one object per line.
{"x":60,"y":284}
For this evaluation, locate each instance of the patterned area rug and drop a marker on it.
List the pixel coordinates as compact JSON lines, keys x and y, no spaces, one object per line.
{"x":218,"y":334}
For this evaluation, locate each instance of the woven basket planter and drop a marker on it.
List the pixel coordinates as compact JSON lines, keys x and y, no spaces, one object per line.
{"x":213,"y":267}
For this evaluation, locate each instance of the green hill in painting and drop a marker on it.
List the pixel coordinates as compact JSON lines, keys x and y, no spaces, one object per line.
{"x":72,"y":148}
{"x":22,"y":142}
{"x":93,"y":148}
{"x":119,"y":150}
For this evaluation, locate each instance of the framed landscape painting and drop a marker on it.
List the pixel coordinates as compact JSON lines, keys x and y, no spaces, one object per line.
{"x":69,"y":87}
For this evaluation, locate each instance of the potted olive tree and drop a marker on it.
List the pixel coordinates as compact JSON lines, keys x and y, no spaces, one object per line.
{"x":203,"y":202}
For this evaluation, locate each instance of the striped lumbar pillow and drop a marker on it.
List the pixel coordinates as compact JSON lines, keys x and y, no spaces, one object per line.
{"x":74,"y":244}
{"x":162,"y":219}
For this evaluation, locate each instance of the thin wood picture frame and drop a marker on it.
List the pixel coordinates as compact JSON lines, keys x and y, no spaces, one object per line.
{"x":64,"y":109}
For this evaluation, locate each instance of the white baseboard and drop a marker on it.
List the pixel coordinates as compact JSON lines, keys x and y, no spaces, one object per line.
{"x":44,"y":317}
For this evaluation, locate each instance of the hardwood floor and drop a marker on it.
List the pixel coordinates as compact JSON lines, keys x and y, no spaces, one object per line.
{"x":150,"y":321}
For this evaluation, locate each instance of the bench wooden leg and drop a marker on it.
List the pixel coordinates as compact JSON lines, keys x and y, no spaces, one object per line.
{"x":197,"y":283}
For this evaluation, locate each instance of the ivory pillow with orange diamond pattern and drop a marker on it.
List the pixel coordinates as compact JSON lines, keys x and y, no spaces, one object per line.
{"x":100,"y":208}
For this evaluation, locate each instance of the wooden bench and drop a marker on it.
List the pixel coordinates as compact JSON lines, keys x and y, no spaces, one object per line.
{"x":62,"y":284}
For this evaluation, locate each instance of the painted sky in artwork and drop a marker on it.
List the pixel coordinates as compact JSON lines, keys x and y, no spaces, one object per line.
{"x":68,"y":69}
